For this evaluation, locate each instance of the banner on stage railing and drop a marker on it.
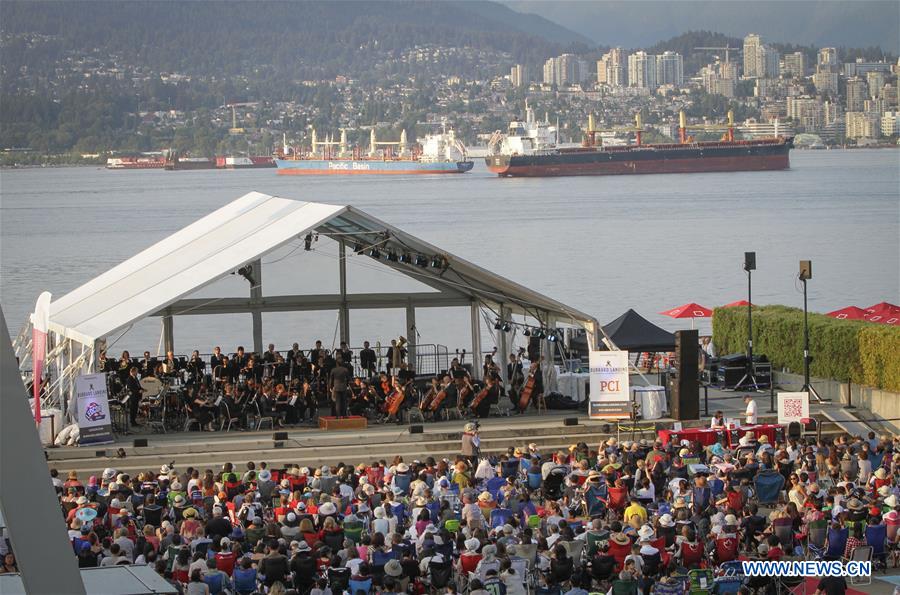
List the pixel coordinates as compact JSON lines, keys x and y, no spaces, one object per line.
{"x":610,"y":392}
{"x":793,"y":407}
{"x":92,"y":407}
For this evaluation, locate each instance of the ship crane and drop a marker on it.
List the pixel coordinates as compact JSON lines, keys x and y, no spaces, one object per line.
{"x":683,"y":127}
{"x":637,"y":129}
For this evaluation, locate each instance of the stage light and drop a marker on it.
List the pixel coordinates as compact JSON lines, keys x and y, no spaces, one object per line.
{"x":552,"y":336}
{"x":358,"y":248}
{"x":421,"y":261}
{"x":405,"y":258}
{"x":437,"y":262}
{"x":374,"y":253}
{"x":246,"y":272}
{"x":392,"y":256}
{"x":527,"y":332}
{"x":506,"y":327}
{"x":539,"y":333}
{"x":497,"y":325}
{"x":307,"y":242}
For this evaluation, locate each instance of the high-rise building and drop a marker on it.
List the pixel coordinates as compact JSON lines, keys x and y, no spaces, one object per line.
{"x":826,"y":80}
{"x":831,"y":112}
{"x":752,"y":43}
{"x":562,"y":70}
{"x":670,"y":69}
{"x":642,"y":70}
{"x":616,"y":68}
{"x":768,"y":62}
{"x":518,"y":76}
{"x":828,"y":57}
{"x":857,"y":93}
{"x":889,"y":94}
{"x":875,"y":80}
{"x":720,"y":78}
{"x":863,"y":125}
{"x":794,"y":65}
{"x":890,"y":124}
{"x":602,"y":66}
{"x":806,"y":112}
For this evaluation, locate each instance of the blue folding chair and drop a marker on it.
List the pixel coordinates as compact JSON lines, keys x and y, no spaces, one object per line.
{"x":768,"y":484}
{"x":876,"y":536}
{"x":837,"y":541}
{"x":594,"y":499}
{"x":399,"y":511}
{"x":701,"y":498}
{"x":509,"y":468}
{"x":357,"y":586}
{"x":716,"y":487}
{"x":493,"y":486}
{"x":534,"y":481}
{"x":434,"y":510}
{"x":402,"y":481}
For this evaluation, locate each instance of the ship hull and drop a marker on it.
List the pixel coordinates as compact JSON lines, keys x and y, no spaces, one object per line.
{"x":349,"y":167}
{"x":711,"y":157}
{"x":190,"y":165}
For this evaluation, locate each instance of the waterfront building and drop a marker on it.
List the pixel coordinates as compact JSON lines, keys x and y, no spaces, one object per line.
{"x":857,"y":93}
{"x":642,"y":70}
{"x":862,"y":125}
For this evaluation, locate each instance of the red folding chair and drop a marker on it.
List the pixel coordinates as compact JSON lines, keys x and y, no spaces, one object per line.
{"x":726,"y":549}
{"x":617,"y":499}
{"x":691,"y":555}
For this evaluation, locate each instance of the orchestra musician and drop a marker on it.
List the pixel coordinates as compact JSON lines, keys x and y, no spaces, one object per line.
{"x":395,"y":402}
{"x":396,"y":355}
{"x":516,"y":377}
{"x":105,"y":364}
{"x":339,"y":384}
{"x":464,"y":391}
{"x":489,"y":368}
{"x":537,"y":379}
{"x":449,"y":401}
{"x":134,"y":390}
{"x":270,"y":355}
{"x":170,"y":365}
{"x":487,"y":396}
{"x":125,"y":365}
{"x":346,"y":356}
{"x":201,"y":407}
{"x":195,"y":368}
{"x":217,"y":358}
{"x":362,"y":397}
{"x":308,"y":402}
{"x":240,"y":358}
{"x":315,"y":352}
{"x":367,"y":360}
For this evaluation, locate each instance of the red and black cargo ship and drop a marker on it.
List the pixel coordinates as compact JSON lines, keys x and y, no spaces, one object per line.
{"x":516,"y":158}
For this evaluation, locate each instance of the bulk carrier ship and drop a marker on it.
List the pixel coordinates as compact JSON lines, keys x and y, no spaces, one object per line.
{"x":174,"y":162}
{"x":439,"y":154}
{"x":531,"y":149}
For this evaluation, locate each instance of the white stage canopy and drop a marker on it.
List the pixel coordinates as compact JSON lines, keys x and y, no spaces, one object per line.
{"x":158,"y":281}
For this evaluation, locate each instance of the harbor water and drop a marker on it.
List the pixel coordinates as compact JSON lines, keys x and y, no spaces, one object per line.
{"x":600,"y":244}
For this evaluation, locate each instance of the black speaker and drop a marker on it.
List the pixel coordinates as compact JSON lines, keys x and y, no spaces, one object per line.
{"x":416,"y":429}
{"x":138,"y":442}
{"x":278,"y":444}
{"x":749,"y":261}
{"x":805,"y":270}
{"x":280,"y":436}
{"x":99,"y":453}
{"x":684,"y":386}
{"x":570,"y":421}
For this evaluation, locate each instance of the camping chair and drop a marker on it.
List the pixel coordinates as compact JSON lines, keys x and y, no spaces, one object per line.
{"x":701,"y":580}
{"x":691,"y":555}
{"x":618,"y":499}
{"x":876,"y":536}
{"x":402,"y":481}
{"x":790,"y":585}
{"x":500,"y":517}
{"x":716,"y":487}
{"x":861,"y":553}
{"x":534,"y":481}
{"x":768,"y":484}
{"x":837,"y":541}
{"x":593,"y":539}
{"x":701,"y":498}
{"x":817,"y":532}
{"x":726,"y":549}
{"x":731,"y":580}
{"x":353,"y":531}
{"x":493,"y":486}
{"x":261,"y":419}
{"x":357,"y":586}
{"x":338,"y":579}
{"x":574,"y":549}
{"x":784,"y":531}
{"x":593,"y":502}
{"x":510,"y":468}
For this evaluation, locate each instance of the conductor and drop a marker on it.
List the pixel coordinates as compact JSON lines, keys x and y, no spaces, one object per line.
{"x":339,"y":382}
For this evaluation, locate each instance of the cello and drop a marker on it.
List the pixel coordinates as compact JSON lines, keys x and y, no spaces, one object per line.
{"x":481,"y":396}
{"x":438,"y":399}
{"x":395,"y":400}
{"x":425,"y":405}
{"x":526,"y":393}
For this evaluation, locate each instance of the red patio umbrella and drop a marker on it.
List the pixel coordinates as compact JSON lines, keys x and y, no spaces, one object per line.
{"x":738,"y":304}
{"x":884,"y":313}
{"x":691,"y":311}
{"x":849,"y":313}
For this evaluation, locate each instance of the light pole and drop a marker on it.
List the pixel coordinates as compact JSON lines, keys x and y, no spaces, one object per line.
{"x":749,"y":375}
{"x":806,"y":275}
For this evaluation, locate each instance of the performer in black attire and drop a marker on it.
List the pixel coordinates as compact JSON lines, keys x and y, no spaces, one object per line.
{"x":367,"y":359}
{"x":339,"y":384}
{"x":217,"y":358}
{"x":516,"y":378}
{"x":346,"y":356}
{"x":195,"y":368}
{"x":270,"y":355}
{"x":492,"y":386}
{"x":240,"y":358}
{"x":148,"y":365}
{"x":133,"y":387}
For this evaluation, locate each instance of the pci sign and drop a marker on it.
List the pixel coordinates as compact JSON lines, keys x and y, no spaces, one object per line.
{"x":610,"y":390}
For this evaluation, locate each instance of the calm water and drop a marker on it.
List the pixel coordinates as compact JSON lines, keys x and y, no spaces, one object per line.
{"x":599,"y":244}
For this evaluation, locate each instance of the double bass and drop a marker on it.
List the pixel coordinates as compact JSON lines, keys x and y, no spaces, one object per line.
{"x":527,"y":390}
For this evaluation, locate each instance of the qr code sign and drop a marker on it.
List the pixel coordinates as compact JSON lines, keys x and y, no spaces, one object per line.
{"x":793,"y":407}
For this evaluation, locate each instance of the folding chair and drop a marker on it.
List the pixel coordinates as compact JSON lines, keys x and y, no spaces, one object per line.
{"x":876,"y":536}
{"x":574,"y":549}
{"x":862,"y":553}
{"x":261,"y":419}
{"x":500,"y":517}
{"x":227,"y":418}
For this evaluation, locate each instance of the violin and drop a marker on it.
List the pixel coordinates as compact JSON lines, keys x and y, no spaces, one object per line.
{"x":527,"y":389}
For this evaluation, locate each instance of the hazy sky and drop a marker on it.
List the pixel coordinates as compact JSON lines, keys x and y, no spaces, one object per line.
{"x":634,"y":23}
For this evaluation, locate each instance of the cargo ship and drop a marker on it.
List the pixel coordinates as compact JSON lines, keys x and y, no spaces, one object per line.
{"x":438,"y":154}
{"x":251,"y":162}
{"x":531,"y":149}
{"x":135,"y":163}
{"x":174,"y":162}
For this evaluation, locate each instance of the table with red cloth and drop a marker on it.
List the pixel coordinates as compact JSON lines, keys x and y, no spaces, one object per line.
{"x":708,"y":436}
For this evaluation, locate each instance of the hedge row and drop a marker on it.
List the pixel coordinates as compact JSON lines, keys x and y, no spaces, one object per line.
{"x":866,"y":353}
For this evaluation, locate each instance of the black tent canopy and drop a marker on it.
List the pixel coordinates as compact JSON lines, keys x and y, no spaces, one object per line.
{"x":633,"y":332}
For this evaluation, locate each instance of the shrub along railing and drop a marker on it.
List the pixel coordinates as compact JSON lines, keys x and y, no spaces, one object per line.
{"x":862,"y":352}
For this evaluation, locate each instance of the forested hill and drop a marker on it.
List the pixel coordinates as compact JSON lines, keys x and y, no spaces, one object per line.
{"x":294,"y":38}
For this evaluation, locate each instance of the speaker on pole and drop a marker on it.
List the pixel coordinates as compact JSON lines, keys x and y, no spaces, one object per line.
{"x":805,"y":270}
{"x":749,"y":261}
{"x":684,"y":385}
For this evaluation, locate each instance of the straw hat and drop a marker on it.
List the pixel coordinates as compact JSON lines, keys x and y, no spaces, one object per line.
{"x":327,"y":509}
{"x":472,"y":544}
{"x":891,"y":501}
{"x":764,"y":439}
{"x":855,"y":504}
{"x":731,"y":520}
{"x":680,"y":502}
{"x":179,"y":501}
{"x":611,"y":441}
{"x":666,"y":520}
{"x":420,"y":501}
{"x":402,"y":468}
{"x":485,"y":497}
{"x":880,"y":473}
{"x":645,"y":533}
{"x":469,"y":427}
{"x":265,"y":475}
{"x":884,"y":491}
{"x":518,"y":451}
{"x":620,"y":538}
{"x":189,"y":513}
{"x":81,"y":501}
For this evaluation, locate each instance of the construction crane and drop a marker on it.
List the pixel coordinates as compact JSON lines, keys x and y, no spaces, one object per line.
{"x":713,"y":49}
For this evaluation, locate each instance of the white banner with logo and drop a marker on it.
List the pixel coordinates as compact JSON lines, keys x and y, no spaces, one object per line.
{"x":793,"y":407}
{"x":610,"y":392}
{"x":92,"y":407}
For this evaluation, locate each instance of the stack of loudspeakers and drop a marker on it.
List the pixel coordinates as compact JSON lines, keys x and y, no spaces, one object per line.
{"x":684,"y":386}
